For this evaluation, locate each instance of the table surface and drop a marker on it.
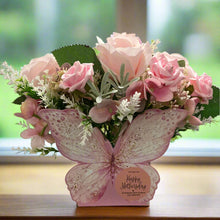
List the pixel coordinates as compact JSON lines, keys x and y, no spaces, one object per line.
{"x":61,"y":207}
{"x":39,"y":192}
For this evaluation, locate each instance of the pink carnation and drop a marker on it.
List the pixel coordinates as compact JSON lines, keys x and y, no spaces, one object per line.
{"x":77,"y":76}
{"x":124,"y":49}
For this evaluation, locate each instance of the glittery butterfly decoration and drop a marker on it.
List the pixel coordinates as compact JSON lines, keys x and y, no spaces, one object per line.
{"x":144,"y":140}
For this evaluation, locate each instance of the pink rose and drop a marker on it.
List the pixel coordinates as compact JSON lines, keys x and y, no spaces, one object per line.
{"x":77,"y":76}
{"x":165,"y":68}
{"x":46,"y":65}
{"x":188,"y":71}
{"x":202,"y":87}
{"x":165,"y":76}
{"x":103,"y":111}
{"x":124,"y":49}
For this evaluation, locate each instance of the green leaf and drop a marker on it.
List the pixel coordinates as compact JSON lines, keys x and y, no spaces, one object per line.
{"x":104,"y":81}
{"x":122,"y":70}
{"x":190,"y":89}
{"x":81,"y":53}
{"x":181,"y":63}
{"x":213,"y":108}
{"x":28,"y":91}
{"x":19,"y":100}
{"x":93,"y":88}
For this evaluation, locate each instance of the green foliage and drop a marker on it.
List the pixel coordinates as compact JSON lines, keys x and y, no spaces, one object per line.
{"x":105,"y":90}
{"x":182,"y":63}
{"x":19,"y":100}
{"x":123,"y":84}
{"x":46,"y":150}
{"x":82,"y":53}
{"x":24,"y":89}
{"x":212,"y":109}
{"x":190,"y":89}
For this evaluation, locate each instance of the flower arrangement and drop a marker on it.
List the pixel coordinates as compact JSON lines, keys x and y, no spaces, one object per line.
{"x":111,"y":109}
{"x":109,"y":85}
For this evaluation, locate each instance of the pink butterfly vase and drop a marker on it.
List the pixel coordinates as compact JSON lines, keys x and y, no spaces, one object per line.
{"x":119,"y":176}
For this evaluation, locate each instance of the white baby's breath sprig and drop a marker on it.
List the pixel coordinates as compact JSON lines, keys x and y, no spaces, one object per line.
{"x":70,"y":102}
{"x":154,"y":44}
{"x":208,"y":120}
{"x":85,"y":133}
{"x":128,"y":108}
{"x":23,"y":124}
{"x":10,"y":74}
{"x":86,"y":128}
{"x":44,"y":92}
{"x":25,"y":150}
{"x":198,"y":109}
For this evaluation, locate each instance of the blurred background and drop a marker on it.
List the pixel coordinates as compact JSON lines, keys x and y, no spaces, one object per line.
{"x":32,"y":28}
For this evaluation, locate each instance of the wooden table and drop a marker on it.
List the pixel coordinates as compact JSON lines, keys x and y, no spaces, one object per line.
{"x":39,"y":192}
{"x":62,"y":207}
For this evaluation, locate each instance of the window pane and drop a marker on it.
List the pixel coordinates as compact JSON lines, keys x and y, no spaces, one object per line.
{"x":31,"y":28}
{"x":192,"y":28}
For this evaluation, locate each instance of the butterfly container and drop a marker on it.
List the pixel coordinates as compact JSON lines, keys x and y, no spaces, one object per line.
{"x":107,"y":176}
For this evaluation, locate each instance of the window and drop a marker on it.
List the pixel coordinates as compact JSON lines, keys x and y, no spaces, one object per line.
{"x":188,"y":27}
{"x":32,"y":28}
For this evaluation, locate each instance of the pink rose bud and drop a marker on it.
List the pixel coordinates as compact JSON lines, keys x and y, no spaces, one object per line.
{"x":77,"y":76}
{"x":124,"y":49}
{"x":46,"y":65}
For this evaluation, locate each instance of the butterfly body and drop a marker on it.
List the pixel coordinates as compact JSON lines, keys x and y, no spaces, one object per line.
{"x":92,"y":180}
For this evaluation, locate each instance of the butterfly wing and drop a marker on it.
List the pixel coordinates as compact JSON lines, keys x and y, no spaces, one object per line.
{"x":67,"y":132}
{"x":148,"y":136}
{"x":88,"y":179}
{"x":146,"y":139}
{"x":87,"y":182}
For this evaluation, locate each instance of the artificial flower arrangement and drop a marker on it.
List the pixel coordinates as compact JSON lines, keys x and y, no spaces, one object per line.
{"x":112,"y":109}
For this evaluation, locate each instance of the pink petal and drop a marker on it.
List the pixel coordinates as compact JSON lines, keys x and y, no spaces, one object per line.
{"x":194,"y":121}
{"x":190,"y":106}
{"x":162,"y":94}
{"x":37,"y":142}
{"x":28,"y":133}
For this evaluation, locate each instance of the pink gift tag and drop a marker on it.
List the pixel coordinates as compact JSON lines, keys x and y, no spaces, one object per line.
{"x":132,"y":183}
